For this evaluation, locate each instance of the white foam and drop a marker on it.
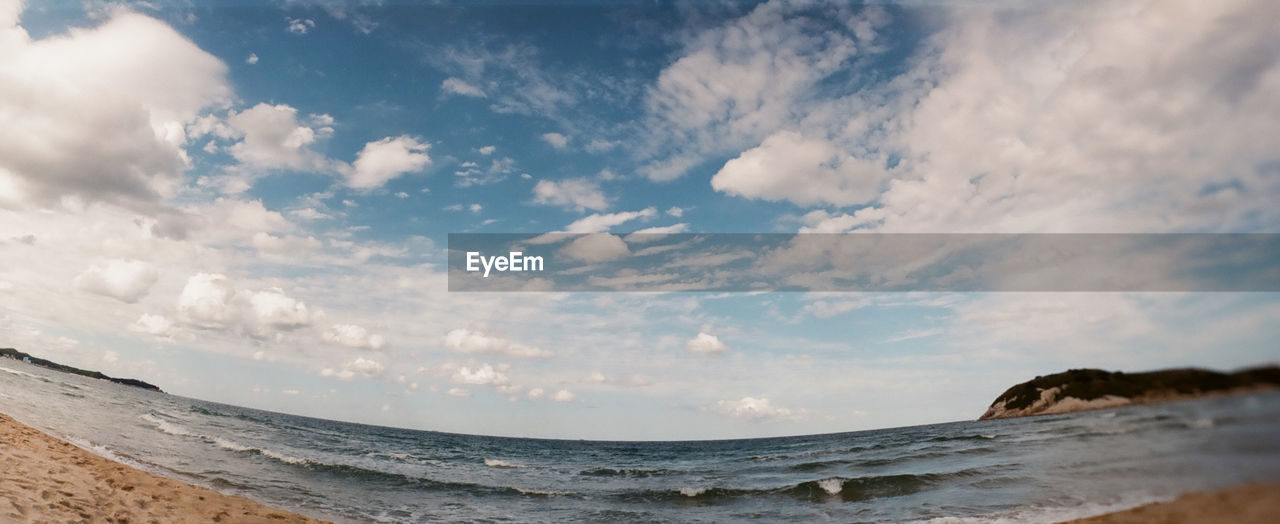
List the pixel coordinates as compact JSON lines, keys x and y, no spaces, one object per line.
{"x":1051,"y":514}
{"x":282,"y":457}
{"x":162,"y":425}
{"x":1201,"y":423}
{"x":692,"y":492}
{"x":832,"y":485}
{"x":16,"y":372}
{"x":496,"y":463}
{"x":227,"y":444}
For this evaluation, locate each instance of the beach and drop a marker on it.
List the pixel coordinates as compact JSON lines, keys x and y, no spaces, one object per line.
{"x":1050,"y":468}
{"x":48,"y":480}
{"x":1248,"y":504}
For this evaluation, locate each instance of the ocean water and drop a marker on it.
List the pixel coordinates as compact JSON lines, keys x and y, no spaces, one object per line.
{"x":1037,"y":469}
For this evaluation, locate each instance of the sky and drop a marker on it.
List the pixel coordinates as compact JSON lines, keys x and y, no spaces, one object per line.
{"x":249,"y":202}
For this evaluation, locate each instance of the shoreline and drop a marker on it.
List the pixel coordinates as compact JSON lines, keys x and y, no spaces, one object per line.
{"x":47,"y":479}
{"x":1257,"y":503}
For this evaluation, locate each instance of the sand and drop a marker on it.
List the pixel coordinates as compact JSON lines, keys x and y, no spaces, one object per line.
{"x":47,"y":480}
{"x":1248,"y":504}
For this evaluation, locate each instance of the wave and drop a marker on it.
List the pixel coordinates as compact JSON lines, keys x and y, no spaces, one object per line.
{"x":166,"y":427}
{"x":626,"y":472}
{"x":947,"y":438}
{"x":17,"y":372}
{"x":497,"y":463}
{"x":819,"y":490}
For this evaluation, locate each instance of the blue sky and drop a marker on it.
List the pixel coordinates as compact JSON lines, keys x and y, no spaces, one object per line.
{"x":250,"y":203}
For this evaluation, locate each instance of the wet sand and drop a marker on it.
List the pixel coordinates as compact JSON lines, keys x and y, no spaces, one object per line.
{"x":1248,"y":504}
{"x":47,"y":480}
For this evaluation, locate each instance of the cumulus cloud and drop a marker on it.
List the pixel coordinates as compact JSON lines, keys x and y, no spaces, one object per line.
{"x":352,"y":368}
{"x":353,"y":336}
{"x":1013,"y":120}
{"x":576,"y":193}
{"x":123,"y":280}
{"x":386,"y":159}
{"x":536,"y":393}
{"x":273,"y":137}
{"x":458,"y":86}
{"x":273,"y":308}
{"x":484,"y":375}
{"x":478,"y":342}
{"x":563,"y":395}
{"x":595,"y":248}
{"x":807,"y":171}
{"x":705,"y":344}
{"x":555,"y":140}
{"x":752,"y":408}
{"x":284,"y":245}
{"x":155,"y":325}
{"x":132,"y":75}
{"x":207,"y":301}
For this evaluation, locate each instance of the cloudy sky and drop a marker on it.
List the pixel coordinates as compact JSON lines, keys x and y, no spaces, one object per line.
{"x":249,"y":204}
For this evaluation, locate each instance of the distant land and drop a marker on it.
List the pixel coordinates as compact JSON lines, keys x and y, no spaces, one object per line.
{"x":18,"y":355}
{"x":1085,"y":389}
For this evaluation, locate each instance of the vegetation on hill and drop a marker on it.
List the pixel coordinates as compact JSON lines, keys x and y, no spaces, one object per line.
{"x":18,"y":355}
{"x":1083,"y":389}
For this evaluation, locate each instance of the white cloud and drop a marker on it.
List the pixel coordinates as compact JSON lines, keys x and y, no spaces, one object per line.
{"x":485,"y":375}
{"x":477,"y":342}
{"x":458,"y":86}
{"x":207,"y":301}
{"x":807,"y":171}
{"x":576,"y":193}
{"x":487,"y":150}
{"x":737,"y":83}
{"x":386,"y":159}
{"x":563,"y":395}
{"x":459,"y":392}
{"x":596,"y":247}
{"x":475,"y":208}
{"x":655,"y":232}
{"x":828,"y":309}
{"x":272,"y":137}
{"x":706,"y":344}
{"x":754,"y":409}
{"x":251,"y":59}
{"x":123,"y":280}
{"x":596,"y":223}
{"x":675,"y":211}
{"x":352,"y":368}
{"x":300,"y":26}
{"x":275,"y":309}
{"x":132,"y":75}
{"x":536,"y":393}
{"x":556,"y":140}
{"x":155,"y":325}
{"x":284,"y":246}
{"x":353,"y":336}
{"x":110,"y":357}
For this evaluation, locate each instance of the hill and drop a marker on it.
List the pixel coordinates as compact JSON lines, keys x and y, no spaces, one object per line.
{"x":18,"y":355}
{"x":1084,"y":389}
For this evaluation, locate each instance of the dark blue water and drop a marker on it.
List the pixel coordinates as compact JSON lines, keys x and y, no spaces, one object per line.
{"x":1034,"y":469}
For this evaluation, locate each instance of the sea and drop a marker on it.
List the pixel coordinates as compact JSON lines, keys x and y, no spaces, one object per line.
{"x":1033,"y":469}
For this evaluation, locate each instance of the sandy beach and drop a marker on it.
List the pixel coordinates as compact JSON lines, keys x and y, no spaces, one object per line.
{"x":48,"y":480}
